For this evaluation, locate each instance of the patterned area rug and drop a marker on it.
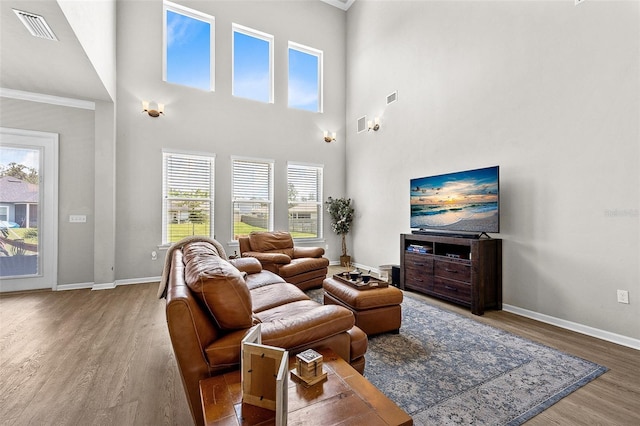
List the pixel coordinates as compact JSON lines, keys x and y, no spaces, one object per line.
{"x":446,"y":369}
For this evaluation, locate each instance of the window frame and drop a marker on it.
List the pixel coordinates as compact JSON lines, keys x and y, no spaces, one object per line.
{"x":194,"y":14}
{"x":166,"y":153}
{"x":292,"y":45}
{"x":319,"y":168}
{"x":270,"y":39}
{"x":270,"y":191}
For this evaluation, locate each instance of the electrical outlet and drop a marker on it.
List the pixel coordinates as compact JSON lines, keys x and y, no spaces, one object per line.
{"x":77,"y":218}
{"x":154,"y":255}
{"x":623,"y":296}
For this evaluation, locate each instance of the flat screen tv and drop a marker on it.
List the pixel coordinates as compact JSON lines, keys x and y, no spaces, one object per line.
{"x":462,"y":202}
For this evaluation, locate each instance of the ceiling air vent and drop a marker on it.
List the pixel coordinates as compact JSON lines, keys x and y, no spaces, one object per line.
{"x":36,"y":25}
{"x":362,"y":124}
{"x":392,"y":97}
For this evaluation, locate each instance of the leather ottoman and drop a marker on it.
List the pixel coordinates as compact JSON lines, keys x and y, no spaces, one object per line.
{"x":377,"y":310}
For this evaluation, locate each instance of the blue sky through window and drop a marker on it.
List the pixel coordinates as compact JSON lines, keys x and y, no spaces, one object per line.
{"x":251,"y":67}
{"x":303,"y":81}
{"x":188,"y":51}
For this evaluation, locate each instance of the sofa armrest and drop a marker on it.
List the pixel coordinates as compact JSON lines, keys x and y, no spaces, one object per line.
{"x":276,"y":258}
{"x":250,"y":265}
{"x":299,"y":252}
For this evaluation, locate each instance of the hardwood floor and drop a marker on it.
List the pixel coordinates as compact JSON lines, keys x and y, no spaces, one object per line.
{"x":86,"y":357}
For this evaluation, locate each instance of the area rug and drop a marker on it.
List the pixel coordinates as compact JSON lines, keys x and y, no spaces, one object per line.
{"x":446,"y":369}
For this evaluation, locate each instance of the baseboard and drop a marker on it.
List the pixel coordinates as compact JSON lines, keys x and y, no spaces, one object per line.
{"x":76,"y":286}
{"x":355,"y":265}
{"x":573,"y":326}
{"x":104,"y":286}
{"x":131,"y":281}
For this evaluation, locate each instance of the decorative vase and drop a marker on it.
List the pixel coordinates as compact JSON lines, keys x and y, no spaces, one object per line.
{"x":345,"y":261}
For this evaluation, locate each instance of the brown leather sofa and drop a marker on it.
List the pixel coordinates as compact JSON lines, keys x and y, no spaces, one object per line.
{"x":213,"y":302}
{"x":302,"y":266}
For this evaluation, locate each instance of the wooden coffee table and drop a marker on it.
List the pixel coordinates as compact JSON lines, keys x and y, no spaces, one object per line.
{"x":346,"y":397}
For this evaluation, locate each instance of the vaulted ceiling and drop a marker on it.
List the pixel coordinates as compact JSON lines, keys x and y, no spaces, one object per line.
{"x":33,"y":64}
{"x":58,"y":68}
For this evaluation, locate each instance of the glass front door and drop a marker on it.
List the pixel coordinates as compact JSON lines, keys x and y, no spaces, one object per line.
{"x":28,"y":187}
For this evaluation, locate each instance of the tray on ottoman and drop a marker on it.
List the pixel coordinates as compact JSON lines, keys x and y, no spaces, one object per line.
{"x":361,"y":285}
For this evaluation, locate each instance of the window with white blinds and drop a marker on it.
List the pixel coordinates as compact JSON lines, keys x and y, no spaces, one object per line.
{"x":252,"y":196}
{"x":187,"y":196}
{"x":304,"y":186}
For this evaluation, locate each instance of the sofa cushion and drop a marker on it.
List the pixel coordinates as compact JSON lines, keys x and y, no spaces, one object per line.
{"x":220,"y":286}
{"x":303,"y":323}
{"x":272,"y":242}
{"x":269,"y":296}
{"x":262,"y":279}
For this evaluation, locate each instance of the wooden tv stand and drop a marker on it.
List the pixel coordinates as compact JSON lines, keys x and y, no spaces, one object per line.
{"x":466,"y":271}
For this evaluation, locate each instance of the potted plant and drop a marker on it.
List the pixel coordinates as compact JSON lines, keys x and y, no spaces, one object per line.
{"x":341,"y":213}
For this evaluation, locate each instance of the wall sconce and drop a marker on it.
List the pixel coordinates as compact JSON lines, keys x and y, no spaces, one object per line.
{"x":152,"y":108}
{"x":328,"y":138}
{"x":374,"y":125}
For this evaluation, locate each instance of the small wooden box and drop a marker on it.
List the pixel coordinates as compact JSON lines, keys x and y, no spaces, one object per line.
{"x":309,"y":369}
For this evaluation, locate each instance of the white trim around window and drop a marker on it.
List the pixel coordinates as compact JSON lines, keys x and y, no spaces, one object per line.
{"x":250,"y":32}
{"x":319,"y":55}
{"x":305,"y":200}
{"x":188,"y":193}
{"x":194,"y":14}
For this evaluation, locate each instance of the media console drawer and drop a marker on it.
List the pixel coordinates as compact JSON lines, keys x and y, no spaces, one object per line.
{"x":452,"y":289}
{"x":467,"y":271}
{"x":453,"y":270}
{"x":421,"y":262}
{"x":418,"y":280}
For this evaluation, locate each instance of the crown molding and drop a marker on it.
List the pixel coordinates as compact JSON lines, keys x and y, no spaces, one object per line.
{"x":46,"y":99}
{"x":340,"y":4}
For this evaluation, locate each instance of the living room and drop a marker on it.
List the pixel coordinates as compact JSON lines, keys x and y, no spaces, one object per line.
{"x":549,"y":91}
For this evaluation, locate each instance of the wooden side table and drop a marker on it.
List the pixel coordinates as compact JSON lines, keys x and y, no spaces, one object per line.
{"x":346,"y":397}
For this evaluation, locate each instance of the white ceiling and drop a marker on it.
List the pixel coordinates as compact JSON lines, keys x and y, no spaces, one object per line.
{"x":32,"y":64}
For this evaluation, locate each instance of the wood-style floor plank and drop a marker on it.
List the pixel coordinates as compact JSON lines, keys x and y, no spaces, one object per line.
{"x":86,"y":357}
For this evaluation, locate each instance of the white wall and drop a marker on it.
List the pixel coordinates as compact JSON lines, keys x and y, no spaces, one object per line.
{"x":548,"y":91}
{"x":218,"y":123}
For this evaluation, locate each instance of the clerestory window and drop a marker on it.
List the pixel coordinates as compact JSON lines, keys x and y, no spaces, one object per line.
{"x":188,"y":53}
{"x":305,"y":77}
{"x":252,"y":64}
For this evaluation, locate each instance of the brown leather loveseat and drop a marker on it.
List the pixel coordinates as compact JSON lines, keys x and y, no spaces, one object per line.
{"x":303,"y":266}
{"x":213,"y":302}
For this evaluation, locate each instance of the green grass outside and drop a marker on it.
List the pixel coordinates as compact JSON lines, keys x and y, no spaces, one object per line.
{"x":19,"y":234}
{"x":178,"y":231}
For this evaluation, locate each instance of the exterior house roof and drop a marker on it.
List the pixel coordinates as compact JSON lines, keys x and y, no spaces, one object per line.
{"x":14,"y":190}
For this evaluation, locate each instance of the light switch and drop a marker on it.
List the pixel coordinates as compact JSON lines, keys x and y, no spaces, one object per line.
{"x":77,"y":218}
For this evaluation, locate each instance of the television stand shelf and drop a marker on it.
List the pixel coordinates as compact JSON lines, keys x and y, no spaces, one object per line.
{"x":466,"y":271}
